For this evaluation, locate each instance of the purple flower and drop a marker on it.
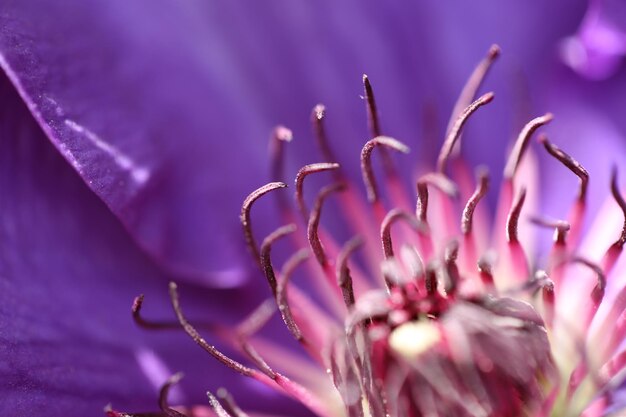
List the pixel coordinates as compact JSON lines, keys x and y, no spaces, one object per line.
{"x":162,"y":110}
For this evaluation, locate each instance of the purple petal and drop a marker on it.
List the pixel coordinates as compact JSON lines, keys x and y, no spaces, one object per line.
{"x":68,"y":273}
{"x":164,"y":108}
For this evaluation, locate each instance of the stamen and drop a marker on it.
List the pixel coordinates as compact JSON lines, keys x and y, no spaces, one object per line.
{"x":485,"y":268}
{"x":513,"y":218}
{"x":162,"y":325}
{"x":473,"y":84}
{"x":482,"y":186}
{"x":281,"y":295}
{"x":440,"y":182}
{"x":280,"y":136}
{"x":385,"y":228}
{"x":455,"y":132}
{"x":561,"y":228}
{"x":422,"y":201}
{"x":622,"y":205}
{"x":344,"y":279}
{"x":314,"y":221}
{"x":216,"y":406}
{"x":522,"y":143}
{"x":163,"y":394}
{"x":372,"y":111}
{"x":245,"y":216}
{"x":317,"y":120}
{"x":569,"y":162}
{"x":257,"y":319}
{"x":366,"y":163}
{"x":302,"y":174}
{"x":195,"y":336}
{"x":598,"y":291}
{"x":451,"y":268}
{"x":430,"y":280}
{"x":266,"y":249}
{"x":229,"y":403}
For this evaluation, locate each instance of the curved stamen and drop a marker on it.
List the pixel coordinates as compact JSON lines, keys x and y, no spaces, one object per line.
{"x":372,"y":111}
{"x":257,"y":319}
{"x":430,"y":279}
{"x":161,"y":325}
{"x":455,"y":131}
{"x":164,"y":392}
{"x":366,"y":162}
{"x":451,"y":268}
{"x":195,"y":336}
{"x":569,"y":162}
{"x":485,"y":268}
{"x":265,"y":254}
{"x":385,"y":228}
{"x":482,"y":186}
{"x":622,"y":205}
{"x":522,"y":143}
{"x":281,"y":295}
{"x":598,"y":291}
{"x":317,"y":120}
{"x":314,"y":221}
{"x":245,"y":216}
{"x":421,"y":210}
{"x":441,"y":182}
{"x":280,"y":136}
{"x":473,"y":84}
{"x":513,"y":218}
{"x":229,"y":403}
{"x":561,"y":227}
{"x":344,"y":279}
{"x":216,"y":406}
{"x":302,"y":174}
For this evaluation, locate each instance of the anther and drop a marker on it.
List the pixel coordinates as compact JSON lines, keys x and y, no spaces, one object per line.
{"x":522,"y":143}
{"x":421,"y":210}
{"x":245,"y":216}
{"x":281,"y":295}
{"x":372,"y":111}
{"x":229,"y":403}
{"x":560,"y":227}
{"x":164,"y":392}
{"x":195,"y":336}
{"x":344,"y":279}
{"x":302,"y":174}
{"x":216,"y":406}
{"x":513,"y":218}
{"x":314,"y":221}
{"x":317,"y":120}
{"x":622,"y":205}
{"x":385,"y":228}
{"x":482,"y":187}
{"x":455,"y":131}
{"x":366,"y":163}
{"x":280,"y":136}
{"x":570,"y":163}
{"x":265,"y":254}
{"x":473,"y":84}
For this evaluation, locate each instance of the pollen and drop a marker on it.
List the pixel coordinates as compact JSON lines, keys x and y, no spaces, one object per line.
{"x":413,"y":338}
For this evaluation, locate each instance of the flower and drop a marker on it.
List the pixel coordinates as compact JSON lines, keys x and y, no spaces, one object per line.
{"x":456,"y":330}
{"x":158,"y":85}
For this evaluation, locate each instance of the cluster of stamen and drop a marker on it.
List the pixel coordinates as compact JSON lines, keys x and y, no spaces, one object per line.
{"x":444,"y":337}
